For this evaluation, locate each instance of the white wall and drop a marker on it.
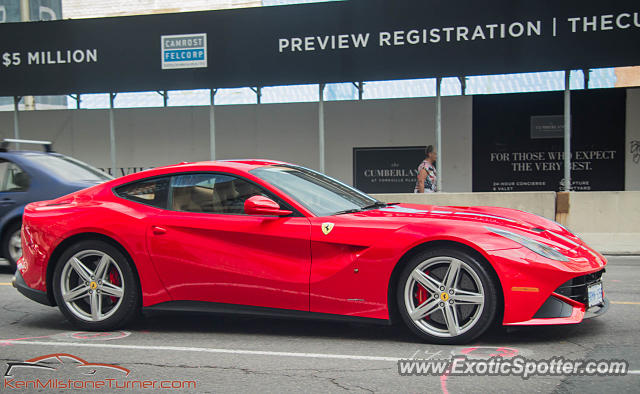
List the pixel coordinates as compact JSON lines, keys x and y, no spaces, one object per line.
{"x":608,"y":221}
{"x":632,"y":173}
{"x":158,"y":136}
{"x":403,"y":122}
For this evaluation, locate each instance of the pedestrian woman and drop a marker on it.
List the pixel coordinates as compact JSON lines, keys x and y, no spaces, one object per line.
{"x":427,"y":174}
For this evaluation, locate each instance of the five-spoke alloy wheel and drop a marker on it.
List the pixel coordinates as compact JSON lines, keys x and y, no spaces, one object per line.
{"x":95,"y":287}
{"x":446,"y":296}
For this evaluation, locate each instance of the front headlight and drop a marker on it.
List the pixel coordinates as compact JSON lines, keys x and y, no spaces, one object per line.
{"x":534,"y":246}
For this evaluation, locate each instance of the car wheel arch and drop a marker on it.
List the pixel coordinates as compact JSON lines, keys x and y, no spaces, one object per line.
{"x":15,"y":215}
{"x":394,"y":315}
{"x":8,"y":222}
{"x":66,"y":243}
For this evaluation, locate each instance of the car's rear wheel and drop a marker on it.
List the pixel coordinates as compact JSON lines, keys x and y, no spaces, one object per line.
{"x":12,"y":244}
{"x":95,"y":287}
{"x":446,"y":296}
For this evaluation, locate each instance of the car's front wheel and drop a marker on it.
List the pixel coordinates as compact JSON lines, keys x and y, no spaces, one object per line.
{"x":446,"y":296}
{"x":95,"y":287}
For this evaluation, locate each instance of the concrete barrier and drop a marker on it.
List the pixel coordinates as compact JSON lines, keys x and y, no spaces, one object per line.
{"x":607,"y":221}
{"x":540,"y":203}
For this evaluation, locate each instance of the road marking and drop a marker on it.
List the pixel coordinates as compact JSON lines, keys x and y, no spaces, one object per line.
{"x":206,"y":350}
{"x":228,"y":351}
{"x":5,"y":284}
{"x":625,"y":303}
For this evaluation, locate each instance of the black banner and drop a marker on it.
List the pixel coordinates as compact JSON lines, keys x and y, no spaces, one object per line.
{"x":356,"y":40}
{"x":387,"y":170}
{"x":518,"y":141}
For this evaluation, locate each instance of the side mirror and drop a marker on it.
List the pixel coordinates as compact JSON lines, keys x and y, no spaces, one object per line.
{"x":261,"y":205}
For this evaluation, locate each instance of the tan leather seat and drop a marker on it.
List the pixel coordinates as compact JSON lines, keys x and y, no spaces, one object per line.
{"x":181,"y":199}
{"x":224,"y":194}
{"x":203,"y":198}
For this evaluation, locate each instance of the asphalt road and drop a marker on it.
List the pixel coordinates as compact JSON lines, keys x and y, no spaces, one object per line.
{"x":240,"y":354}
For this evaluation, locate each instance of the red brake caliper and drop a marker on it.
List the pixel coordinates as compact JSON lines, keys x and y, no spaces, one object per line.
{"x":114,"y":278}
{"x":422,"y":295}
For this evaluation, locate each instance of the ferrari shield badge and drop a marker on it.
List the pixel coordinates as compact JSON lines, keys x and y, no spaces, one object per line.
{"x":327,"y":227}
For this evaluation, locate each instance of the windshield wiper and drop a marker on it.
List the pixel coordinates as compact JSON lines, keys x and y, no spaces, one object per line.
{"x":377,"y":204}
{"x":354,"y":210}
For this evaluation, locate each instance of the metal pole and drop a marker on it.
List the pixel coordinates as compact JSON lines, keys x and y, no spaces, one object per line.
{"x":439,"y":133}
{"x":112,"y":133}
{"x":360,"y":87}
{"x":463,"y":85}
{"x":24,"y":11}
{"x":16,"y":124}
{"x":29,"y":101}
{"x":77,"y":99}
{"x":212,"y":124}
{"x":567,"y":131}
{"x":321,"y":126}
{"x":586,"y":76}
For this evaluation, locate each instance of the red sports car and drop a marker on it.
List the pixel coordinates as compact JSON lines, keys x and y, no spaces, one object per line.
{"x":266,"y":237}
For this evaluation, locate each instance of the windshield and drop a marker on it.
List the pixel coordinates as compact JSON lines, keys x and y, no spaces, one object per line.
{"x":69,"y":169}
{"x":318,"y":193}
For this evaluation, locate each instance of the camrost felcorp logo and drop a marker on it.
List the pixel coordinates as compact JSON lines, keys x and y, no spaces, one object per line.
{"x":184,"y":51}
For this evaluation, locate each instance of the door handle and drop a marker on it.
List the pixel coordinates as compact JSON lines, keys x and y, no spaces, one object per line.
{"x":158,"y":230}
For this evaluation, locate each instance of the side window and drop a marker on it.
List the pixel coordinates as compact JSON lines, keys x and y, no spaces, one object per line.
{"x":211,"y":193}
{"x":12,"y":178}
{"x":151,"y":192}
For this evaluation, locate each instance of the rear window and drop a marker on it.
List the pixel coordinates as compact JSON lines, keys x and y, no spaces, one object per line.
{"x":152,"y":192}
{"x":69,"y":168}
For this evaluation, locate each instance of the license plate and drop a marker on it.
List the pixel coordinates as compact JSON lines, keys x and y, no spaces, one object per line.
{"x":595,"y":294}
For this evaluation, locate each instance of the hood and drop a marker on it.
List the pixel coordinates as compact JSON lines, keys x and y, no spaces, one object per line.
{"x":531,"y":225}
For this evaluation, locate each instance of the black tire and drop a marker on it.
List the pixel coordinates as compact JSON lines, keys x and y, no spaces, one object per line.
{"x":6,"y":239}
{"x":483,"y":319}
{"x":130,"y":303}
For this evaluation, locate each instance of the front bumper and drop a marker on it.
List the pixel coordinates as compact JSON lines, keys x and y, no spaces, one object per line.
{"x":568,"y":304}
{"x":562,"y":310}
{"x":597,"y":310}
{"x":35,"y":295}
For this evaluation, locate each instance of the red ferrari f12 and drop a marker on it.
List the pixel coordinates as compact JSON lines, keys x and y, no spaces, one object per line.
{"x":266,"y":237}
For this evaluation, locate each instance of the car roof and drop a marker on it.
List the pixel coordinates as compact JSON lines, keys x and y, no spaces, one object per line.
{"x":235,"y":165}
{"x":27,"y":153}
{"x":23,"y":157}
{"x":238,"y":164}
